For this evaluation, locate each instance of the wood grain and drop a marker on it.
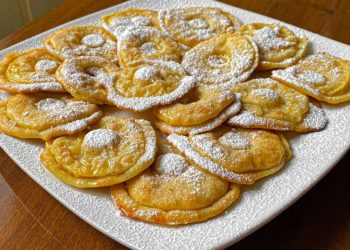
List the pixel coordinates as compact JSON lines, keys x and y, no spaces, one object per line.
{"x":30,"y":218}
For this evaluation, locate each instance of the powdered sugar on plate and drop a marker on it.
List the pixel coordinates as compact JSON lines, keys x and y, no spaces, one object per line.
{"x":315,"y":119}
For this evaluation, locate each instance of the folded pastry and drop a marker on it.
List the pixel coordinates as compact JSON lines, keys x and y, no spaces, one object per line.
{"x":147,"y":44}
{"x":237,"y":155}
{"x":191,"y":26}
{"x":222,"y":60}
{"x":173,"y":191}
{"x":119,"y":22}
{"x":269,"y":104}
{"x":45,"y":116}
{"x":30,"y":71}
{"x":114,"y":150}
{"x":78,"y":41}
{"x":322,"y":76}
{"x":138,"y":88}
{"x":201,"y":110}
{"x":279,"y":47}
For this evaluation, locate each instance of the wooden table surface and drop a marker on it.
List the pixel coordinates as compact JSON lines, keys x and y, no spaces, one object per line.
{"x":31,"y":218}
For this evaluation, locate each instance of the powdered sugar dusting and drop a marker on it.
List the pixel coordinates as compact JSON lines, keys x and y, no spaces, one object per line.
{"x":183,"y":144}
{"x":71,"y":127}
{"x":51,"y":105}
{"x":203,"y":62}
{"x":315,"y":119}
{"x":146,"y":73}
{"x":268,"y":39}
{"x":40,"y":80}
{"x":171,"y":164}
{"x":212,"y":149}
{"x":119,"y":25}
{"x":192,"y":24}
{"x":254,"y":208}
{"x":34,"y":87}
{"x":72,"y":74}
{"x":216,"y":61}
{"x":234,"y":140}
{"x":206,"y":126}
{"x":266,"y":93}
{"x":59,"y":108}
{"x":93,"y":44}
{"x":4,"y":96}
{"x":93,"y":40}
{"x":312,"y":77}
{"x":148,"y":48}
{"x":248,"y":119}
{"x":100,"y":138}
{"x":46,"y":65}
{"x":290,"y":75}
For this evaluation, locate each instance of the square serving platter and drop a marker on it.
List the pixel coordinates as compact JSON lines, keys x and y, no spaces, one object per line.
{"x":315,"y":154}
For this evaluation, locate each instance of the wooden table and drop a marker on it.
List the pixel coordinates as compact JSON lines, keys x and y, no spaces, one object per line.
{"x":30,"y":217}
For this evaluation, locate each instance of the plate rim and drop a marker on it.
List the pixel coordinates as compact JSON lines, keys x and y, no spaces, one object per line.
{"x":221,"y":244}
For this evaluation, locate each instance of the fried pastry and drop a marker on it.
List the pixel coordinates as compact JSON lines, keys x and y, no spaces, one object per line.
{"x":322,"y":76}
{"x":206,"y":125}
{"x":269,"y":104}
{"x":137,"y":88}
{"x":223,"y":60}
{"x":46,"y":115}
{"x":191,"y":26}
{"x":119,"y":22}
{"x":147,"y":44}
{"x":173,"y":192}
{"x":240,"y":156}
{"x":279,"y":47}
{"x":198,"y":106}
{"x":78,"y":41}
{"x":30,"y":71}
{"x":113,"y":151}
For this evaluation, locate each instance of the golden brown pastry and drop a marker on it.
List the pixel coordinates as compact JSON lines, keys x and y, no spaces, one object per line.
{"x":322,"y":76}
{"x":113,"y":151}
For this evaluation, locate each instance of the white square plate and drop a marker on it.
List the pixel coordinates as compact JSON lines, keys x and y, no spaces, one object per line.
{"x":314,"y":155}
